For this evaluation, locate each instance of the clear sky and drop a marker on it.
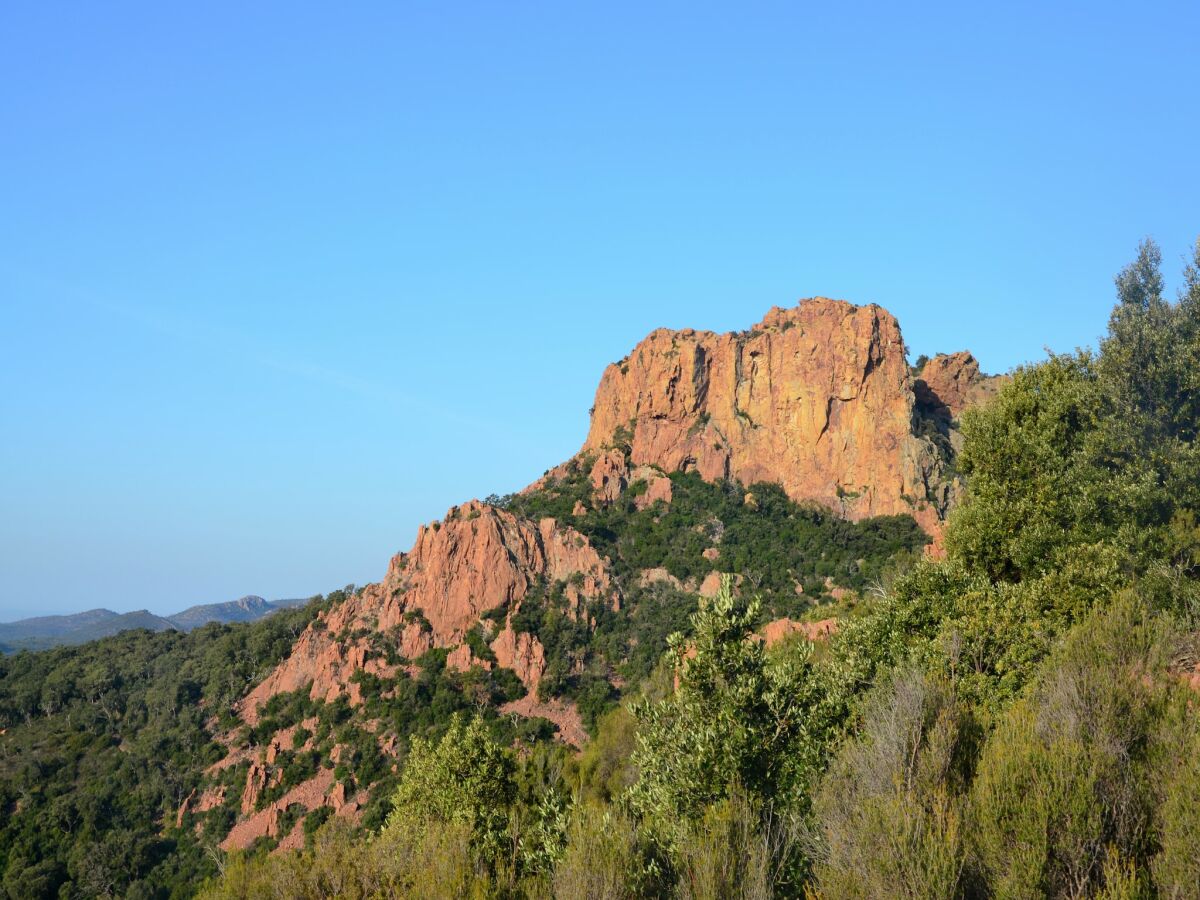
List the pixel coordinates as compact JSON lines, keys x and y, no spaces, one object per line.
{"x":281,"y":281}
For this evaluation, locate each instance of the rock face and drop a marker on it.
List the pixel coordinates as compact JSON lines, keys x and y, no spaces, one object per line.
{"x":563,"y":714}
{"x":320,"y":790}
{"x":611,"y":476}
{"x":818,"y":399}
{"x":774,"y":632}
{"x":523,"y":653}
{"x":951,"y":382}
{"x":477,"y":559}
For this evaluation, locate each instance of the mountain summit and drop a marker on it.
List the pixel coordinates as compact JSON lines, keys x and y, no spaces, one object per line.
{"x":818,"y":398}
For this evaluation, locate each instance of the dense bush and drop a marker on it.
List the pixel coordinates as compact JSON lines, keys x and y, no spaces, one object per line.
{"x":774,"y":544}
{"x":892,"y":806}
{"x":736,"y":719}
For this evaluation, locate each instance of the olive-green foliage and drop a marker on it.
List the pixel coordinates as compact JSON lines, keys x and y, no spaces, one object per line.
{"x":1150,"y":356}
{"x":605,"y":768}
{"x":899,"y":624}
{"x":465,"y":778}
{"x":103,"y":742}
{"x":988,"y":637}
{"x":738,"y":720}
{"x":1082,"y":448}
{"x":1175,"y":781}
{"x":604,"y":858}
{"x":892,"y":806}
{"x":1021,"y":456}
{"x":341,"y":864}
{"x":1066,"y":775}
{"x":731,"y":854}
{"x":1086,"y":783}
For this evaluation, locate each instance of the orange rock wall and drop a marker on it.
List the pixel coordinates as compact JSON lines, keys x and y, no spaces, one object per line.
{"x":477,"y":559}
{"x":817,"y":399}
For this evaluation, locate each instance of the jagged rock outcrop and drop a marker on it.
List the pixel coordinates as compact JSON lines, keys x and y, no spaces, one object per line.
{"x":658,"y":487}
{"x":211,"y":798}
{"x":477,"y":559}
{"x":320,"y":790}
{"x":523,"y":653}
{"x":657,"y":575}
{"x":609,"y":476}
{"x":818,"y":399}
{"x":950,"y":382}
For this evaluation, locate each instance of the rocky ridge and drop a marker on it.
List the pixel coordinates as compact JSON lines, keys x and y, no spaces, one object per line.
{"x":818,"y":398}
{"x":478,"y":559}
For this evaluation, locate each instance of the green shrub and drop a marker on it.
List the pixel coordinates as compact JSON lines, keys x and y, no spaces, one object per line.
{"x":604,"y":859}
{"x":1064,"y":778}
{"x":1175,"y":781}
{"x":738,"y":721}
{"x":728,"y":854}
{"x":465,"y":778}
{"x":890,"y":812}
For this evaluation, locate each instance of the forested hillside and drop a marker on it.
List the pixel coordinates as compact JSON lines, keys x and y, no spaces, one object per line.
{"x":1017,"y":719}
{"x":124,"y":763}
{"x":770,"y":699}
{"x":101,"y":743}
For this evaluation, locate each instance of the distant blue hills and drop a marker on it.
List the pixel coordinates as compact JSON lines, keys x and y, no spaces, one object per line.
{"x":43,"y":632}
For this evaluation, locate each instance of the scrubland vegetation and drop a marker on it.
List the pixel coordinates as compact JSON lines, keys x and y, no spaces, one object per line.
{"x":1015,"y":719}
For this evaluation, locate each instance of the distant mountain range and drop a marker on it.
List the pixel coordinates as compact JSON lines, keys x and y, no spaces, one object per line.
{"x":43,"y":632}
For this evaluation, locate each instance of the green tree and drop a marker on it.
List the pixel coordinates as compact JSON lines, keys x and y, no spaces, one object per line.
{"x":1084,"y":449}
{"x":738,"y":720}
{"x":466,"y":778}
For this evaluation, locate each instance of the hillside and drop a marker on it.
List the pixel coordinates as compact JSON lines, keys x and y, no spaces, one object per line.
{"x":247,"y":609}
{"x":545,"y":608}
{"x":43,"y":632}
{"x":554,"y":603}
{"x":101,"y":742}
{"x":765,"y":538}
{"x":1011,"y":715}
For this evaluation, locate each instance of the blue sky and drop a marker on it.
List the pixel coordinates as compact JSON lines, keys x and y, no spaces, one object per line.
{"x":281,"y":281}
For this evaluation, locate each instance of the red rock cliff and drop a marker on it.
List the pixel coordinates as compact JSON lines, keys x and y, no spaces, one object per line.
{"x":477,"y":559}
{"x":817,"y":398}
{"x":951,"y":382}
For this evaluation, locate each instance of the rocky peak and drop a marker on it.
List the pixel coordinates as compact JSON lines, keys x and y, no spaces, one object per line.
{"x":817,"y":398}
{"x":477,"y":559}
{"x":949,"y":383}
